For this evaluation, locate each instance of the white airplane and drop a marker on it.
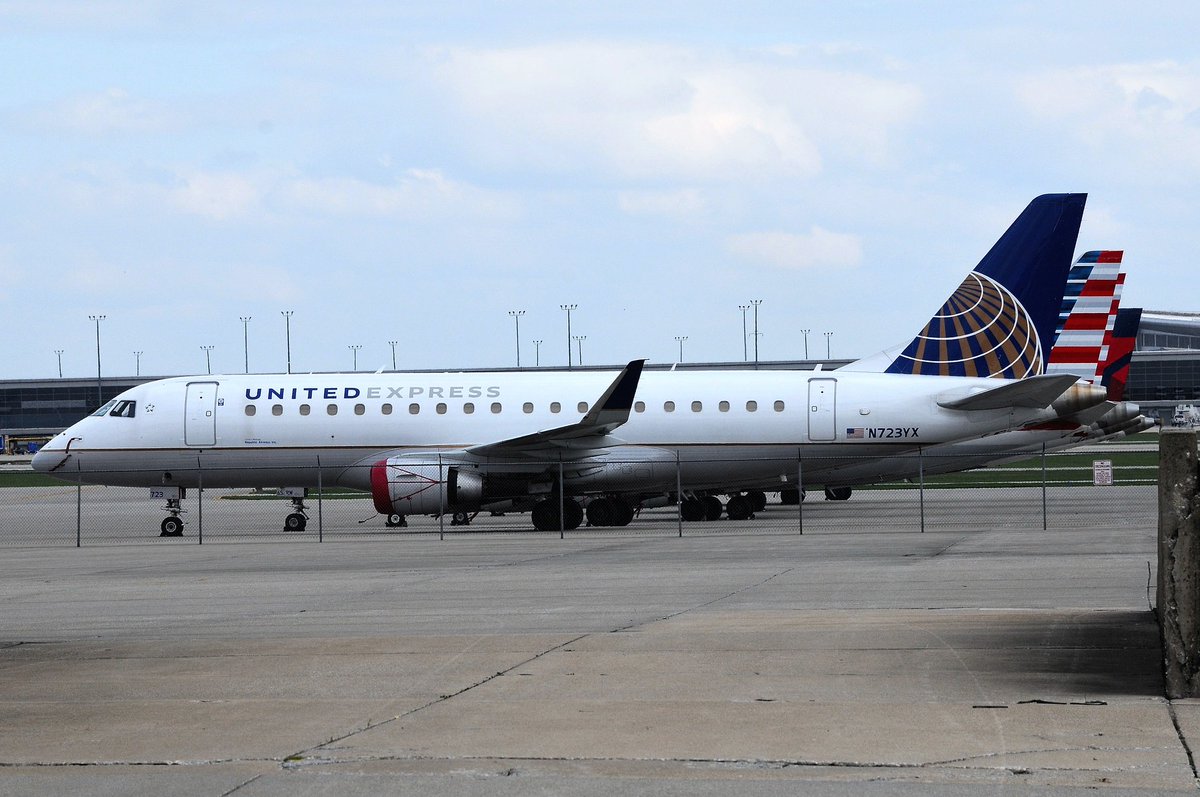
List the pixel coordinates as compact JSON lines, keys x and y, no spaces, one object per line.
{"x":424,"y":443}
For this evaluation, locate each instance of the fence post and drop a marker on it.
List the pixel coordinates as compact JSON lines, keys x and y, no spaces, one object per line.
{"x":78,"y":505}
{"x":199,"y":502}
{"x":562,"y":520}
{"x":800,"y":487}
{"x":678,"y":493}
{"x":1045,"y":525}
{"x":921,"y":473}
{"x":441,"y":500}
{"x":320,"y":504}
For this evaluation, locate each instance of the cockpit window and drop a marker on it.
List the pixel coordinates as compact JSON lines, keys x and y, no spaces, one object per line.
{"x":104,"y":410}
{"x":123,"y":409}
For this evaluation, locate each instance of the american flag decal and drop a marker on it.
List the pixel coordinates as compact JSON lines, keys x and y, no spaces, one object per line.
{"x":854,"y":433}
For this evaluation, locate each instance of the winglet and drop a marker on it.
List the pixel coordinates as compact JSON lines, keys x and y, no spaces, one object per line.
{"x":612,"y":408}
{"x":610,"y":411}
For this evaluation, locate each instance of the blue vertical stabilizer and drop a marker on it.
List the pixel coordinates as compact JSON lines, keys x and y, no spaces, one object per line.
{"x":1001,"y":320}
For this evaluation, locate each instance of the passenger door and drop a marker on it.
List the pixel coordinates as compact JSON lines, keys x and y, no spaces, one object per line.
{"x":822,"y":399}
{"x":200,"y":414}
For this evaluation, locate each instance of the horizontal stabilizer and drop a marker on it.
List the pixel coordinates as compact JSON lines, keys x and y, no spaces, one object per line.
{"x":610,"y":411}
{"x":1033,"y":391}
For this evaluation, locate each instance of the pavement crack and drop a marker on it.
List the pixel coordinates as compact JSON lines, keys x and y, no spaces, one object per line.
{"x":1187,"y":748}
{"x":298,"y":757}
{"x":706,"y":603}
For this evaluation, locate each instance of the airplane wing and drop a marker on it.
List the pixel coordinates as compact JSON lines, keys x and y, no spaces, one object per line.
{"x":1032,"y":391}
{"x":609,"y":412}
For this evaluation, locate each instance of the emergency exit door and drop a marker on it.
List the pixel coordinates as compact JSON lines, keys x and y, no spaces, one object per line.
{"x":822,"y":395}
{"x":200,"y":414}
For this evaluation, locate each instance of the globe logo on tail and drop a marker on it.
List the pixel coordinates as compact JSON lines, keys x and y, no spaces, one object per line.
{"x":981,"y":330}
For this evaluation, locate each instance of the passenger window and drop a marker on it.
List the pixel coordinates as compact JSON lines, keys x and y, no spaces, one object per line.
{"x":277,"y":410}
{"x":305,"y":409}
{"x":723,"y":406}
{"x":527,"y":407}
{"x":359,"y":409}
{"x":250,"y":410}
{"x":639,"y":406}
{"x":440,"y":409}
{"x":468,"y":408}
{"x":331,"y":409}
{"x":779,"y":406}
{"x":697,"y":406}
{"x":582,"y":406}
{"x":751,"y":406}
{"x":555,"y":406}
{"x":386,"y":409}
{"x":414,"y":409}
{"x":496,"y":408}
{"x":123,"y":409}
{"x":668,"y":406}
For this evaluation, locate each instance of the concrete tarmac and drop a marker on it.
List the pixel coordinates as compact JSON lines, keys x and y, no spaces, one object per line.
{"x":839,"y":662}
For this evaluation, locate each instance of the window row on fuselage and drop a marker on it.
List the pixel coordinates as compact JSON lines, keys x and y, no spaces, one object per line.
{"x":496,"y":408}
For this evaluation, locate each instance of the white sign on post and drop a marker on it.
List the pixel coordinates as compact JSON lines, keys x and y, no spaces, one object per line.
{"x":1102,"y":473}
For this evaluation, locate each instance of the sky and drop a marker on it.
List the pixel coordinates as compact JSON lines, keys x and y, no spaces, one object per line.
{"x":414,"y":172}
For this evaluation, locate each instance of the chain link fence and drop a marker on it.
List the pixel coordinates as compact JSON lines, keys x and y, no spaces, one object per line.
{"x":1115,"y":485}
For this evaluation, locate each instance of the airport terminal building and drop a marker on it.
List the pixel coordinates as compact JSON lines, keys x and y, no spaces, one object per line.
{"x":1164,"y":376}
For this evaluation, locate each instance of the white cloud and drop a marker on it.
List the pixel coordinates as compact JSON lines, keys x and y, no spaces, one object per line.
{"x":1139,"y":116}
{"x":106,"y":112}
{"x":681,"y":203}
{"x":819,"y":249}
{"x":419,"y":193}
{"x":664,"y":111}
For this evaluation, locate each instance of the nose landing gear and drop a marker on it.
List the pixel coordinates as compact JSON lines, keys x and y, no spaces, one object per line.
{"x":172,"y":526}
{"x":298,"y":519}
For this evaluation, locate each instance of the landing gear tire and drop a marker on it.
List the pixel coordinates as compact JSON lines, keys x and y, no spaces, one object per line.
{"x":460,"y":518}
{"x":395,"y":521}
{"x":546,"y":518}
{"x":622,"y":512}
{"x":601,"y":512}
{"x":295,"y":522}
{"x":712,"y":507}
{"x":739,"y":508}
{"x":791,"y":497}
{"x":172,"y":527}
{"x":757,"y":499}
{"x":692,"y":510}
{"x":837,"y":493}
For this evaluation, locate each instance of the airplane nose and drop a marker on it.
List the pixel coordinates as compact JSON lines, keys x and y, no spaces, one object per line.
{"x":41,"y":460}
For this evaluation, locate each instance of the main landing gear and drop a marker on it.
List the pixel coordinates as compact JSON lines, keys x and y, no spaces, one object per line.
{"x":740,"y":506}
{"x":546,"y":514}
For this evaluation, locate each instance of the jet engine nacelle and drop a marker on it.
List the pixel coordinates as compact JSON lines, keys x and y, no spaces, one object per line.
{"x":412,"y":487}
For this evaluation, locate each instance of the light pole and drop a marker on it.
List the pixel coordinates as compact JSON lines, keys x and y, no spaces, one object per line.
{"x":828,"y":335}
{"x":756,"y":303}
{"x":569,"y":308}
{"x":354,"y":347}
{"x":59,"y":352}
{"x":137,"y":363}
{"x":681,"y":339}
{"x":287,"y":328}
{"x":245,"y":319}
{"x":99,"y":388}
{"x":208,"y":358}
{"x":516,"y":314}
{"x":579,"y":339}
{"x":745,"y":354}
{"x":537,"y":353}
{"x":805,"y":332}
{"x":393,"y":343}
